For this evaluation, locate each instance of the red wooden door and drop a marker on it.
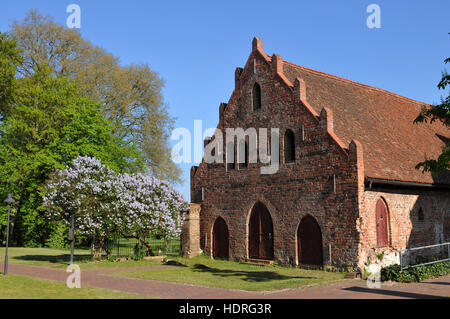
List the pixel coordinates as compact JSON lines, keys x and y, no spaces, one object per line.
{"x":220,"y":239}
{"x":382,"y":224}
{"x":309,"y":239}
{"x":260,"y":233}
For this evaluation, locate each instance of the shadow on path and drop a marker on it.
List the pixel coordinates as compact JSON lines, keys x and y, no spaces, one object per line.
{"x":394,"y":293}
{"x":436,"y":283}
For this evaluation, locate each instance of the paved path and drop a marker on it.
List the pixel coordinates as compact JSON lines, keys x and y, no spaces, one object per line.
{"x":353,"y":289}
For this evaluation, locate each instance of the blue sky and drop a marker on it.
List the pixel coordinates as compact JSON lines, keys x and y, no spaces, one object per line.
{"x":196,"y":45}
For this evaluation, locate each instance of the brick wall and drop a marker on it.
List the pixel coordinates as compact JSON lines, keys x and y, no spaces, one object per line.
{"x":405,"y":228}
{"x":297,"y":189}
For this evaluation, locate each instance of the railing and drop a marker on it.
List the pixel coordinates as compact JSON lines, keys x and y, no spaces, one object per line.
{"x":402,"y":267}
{"x":119,"y":246}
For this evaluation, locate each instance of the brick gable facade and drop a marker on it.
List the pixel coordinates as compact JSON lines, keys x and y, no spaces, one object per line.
{"x":327,"y":180}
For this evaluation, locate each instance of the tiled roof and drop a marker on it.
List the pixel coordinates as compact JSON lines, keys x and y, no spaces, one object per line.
{"x":382,"y":121}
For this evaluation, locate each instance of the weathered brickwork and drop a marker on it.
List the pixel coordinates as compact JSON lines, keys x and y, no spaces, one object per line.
{"x":405,"y":228}
{"x":190,"y":234}
{"x":326,"y":180}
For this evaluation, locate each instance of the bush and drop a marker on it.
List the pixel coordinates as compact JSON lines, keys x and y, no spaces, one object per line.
{"x":140,"y":252}
{"x":415,"y":274}
{"x":58,"y":237}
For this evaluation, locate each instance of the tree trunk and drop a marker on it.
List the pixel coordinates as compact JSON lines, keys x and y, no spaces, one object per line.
{"x":148,"y":249}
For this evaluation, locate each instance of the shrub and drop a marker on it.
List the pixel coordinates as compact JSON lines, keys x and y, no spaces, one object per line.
{"x":58,"y":237}
{"x":415,"y":274}
{"x":140,"y":252}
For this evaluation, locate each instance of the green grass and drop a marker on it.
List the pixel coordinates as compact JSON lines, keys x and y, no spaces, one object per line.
{"x":200,"y":271}
{"x":43,"y":256}
{"x":59,"y":258}
{"x":23,"y":287}
{"x":233,"y":275}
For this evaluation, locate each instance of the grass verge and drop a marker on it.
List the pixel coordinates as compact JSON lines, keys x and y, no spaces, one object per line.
{"x":23,"y":287}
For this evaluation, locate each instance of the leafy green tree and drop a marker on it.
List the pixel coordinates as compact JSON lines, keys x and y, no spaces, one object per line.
{"x":50,"y":125}
{"x":439,"y":112}
{"x":130,"y":95}
{"x":10,"y":59}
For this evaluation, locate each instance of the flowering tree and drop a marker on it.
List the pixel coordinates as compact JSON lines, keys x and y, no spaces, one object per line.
{"x":105,"y":202}
{"x":146,"y":205}
{"x":85,"y":189}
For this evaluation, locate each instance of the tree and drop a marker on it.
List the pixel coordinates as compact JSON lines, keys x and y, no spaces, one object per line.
{"x":10,"y":59}
{"x":104,"y":203}
{"x":49,"y":125}
{"x":148,"y":206}
{"x":439,"y":112}
{"x":130,"y":95}
{"x":85,"y":189}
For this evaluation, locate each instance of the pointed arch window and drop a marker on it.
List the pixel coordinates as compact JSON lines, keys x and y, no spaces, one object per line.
{"x":289,"y":147}
{"x":420,"y":214}
{"x":256,"y":94}
{"x":244,"y":164}
{"x":230,"y":157}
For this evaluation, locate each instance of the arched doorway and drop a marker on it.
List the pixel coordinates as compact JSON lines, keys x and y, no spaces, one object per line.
{"x":220,"y":239}
{"x":382,"y":224}
{"x":309,"y":238}
{"x":260,"y":233}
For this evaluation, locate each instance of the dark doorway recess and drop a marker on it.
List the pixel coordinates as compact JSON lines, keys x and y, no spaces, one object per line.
{"x":309,"y":239}
{"x":260,"y":233}
{"x":220,"y":239}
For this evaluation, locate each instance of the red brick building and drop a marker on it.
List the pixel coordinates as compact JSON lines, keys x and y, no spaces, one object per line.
{"x":346,"y":188}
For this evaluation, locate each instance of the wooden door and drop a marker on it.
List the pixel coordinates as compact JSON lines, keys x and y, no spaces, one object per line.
{"x":220,"y":239}
{"x":309,"y":239}
{"x":260,"y":233}
{"x":382,"y":224}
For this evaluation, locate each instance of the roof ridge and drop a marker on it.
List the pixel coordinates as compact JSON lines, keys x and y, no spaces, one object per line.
{"x":354,"y":82}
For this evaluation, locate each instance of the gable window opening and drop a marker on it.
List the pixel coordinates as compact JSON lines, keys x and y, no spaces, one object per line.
{"x":256,"y":95}
{"x":244,"y":164}
{"x":421,"y":215}
{"x":289,"y":147}
{"x":231,"y":159}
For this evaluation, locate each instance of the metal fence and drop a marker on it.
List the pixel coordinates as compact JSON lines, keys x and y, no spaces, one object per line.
{"x":125,"y":247}
{"x":437,"y":254}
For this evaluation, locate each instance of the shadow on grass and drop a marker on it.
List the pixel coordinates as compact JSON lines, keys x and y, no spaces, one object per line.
{"x":55,"y":259}
{"x":252,"y":276}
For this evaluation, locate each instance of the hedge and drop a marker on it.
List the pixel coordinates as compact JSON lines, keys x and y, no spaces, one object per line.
{"x":415,"y":274}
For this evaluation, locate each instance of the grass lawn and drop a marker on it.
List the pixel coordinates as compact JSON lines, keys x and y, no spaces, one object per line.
{"x":23,"y":287}
{"x":200,"y":270}
{"x":60,"y":258}
{"x":233,"y":275}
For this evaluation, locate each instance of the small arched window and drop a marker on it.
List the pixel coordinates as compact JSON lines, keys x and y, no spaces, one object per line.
{"x":230,"y":158}
{"x":256,"y":94}
{"x":420,"y":215}
{"x":245,"y":163}
{"x":289,"y":147}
